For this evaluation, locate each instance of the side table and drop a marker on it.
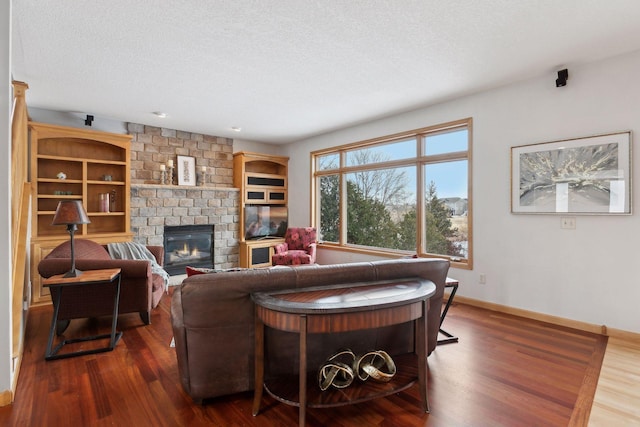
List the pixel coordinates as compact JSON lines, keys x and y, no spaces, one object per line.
{"x":87,"y":280}
{"x":450,"y":283}
{"x":342,"y":308}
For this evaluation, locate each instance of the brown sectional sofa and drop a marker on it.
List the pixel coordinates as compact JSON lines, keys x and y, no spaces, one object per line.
{"x":213,"y":322}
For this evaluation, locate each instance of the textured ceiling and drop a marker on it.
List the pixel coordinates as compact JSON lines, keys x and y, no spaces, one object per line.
{"x":284,"y":70}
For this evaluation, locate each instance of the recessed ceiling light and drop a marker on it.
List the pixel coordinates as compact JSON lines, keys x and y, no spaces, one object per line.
{"x":236,"y":128}
{"x":160,"y":114}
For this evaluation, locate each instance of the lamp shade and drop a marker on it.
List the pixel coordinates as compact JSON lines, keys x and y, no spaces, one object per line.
{"x":70,"y":212}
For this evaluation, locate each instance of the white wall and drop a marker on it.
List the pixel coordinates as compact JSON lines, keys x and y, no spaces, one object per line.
{"x":76,"y":120}
{"x":6,"y":370}
{"x":589,"y":274}
{"x":71,"y":119}
{"x":257,"y":147}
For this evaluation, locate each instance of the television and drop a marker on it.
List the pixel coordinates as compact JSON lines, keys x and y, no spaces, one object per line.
{"x":261,"y":222}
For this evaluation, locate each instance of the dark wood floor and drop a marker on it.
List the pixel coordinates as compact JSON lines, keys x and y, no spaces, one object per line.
{"x":505,"y":371}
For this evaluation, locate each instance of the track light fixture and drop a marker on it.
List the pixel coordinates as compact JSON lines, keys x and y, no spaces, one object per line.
{"x":563,"y":75}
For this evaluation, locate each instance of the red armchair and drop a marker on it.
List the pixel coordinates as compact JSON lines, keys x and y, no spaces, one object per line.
{"x":298,"y":248}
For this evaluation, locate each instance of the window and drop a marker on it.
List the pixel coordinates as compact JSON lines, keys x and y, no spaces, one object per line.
{"x":405,"y":194}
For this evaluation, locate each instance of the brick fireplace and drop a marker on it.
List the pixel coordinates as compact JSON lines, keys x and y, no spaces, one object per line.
{"x":154,"y":206}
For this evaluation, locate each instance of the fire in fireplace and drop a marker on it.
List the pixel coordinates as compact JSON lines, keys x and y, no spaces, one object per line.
{"x":187,"y":245}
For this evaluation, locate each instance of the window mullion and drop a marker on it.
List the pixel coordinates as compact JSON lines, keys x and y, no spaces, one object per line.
{"x":343,"y":200}
{"x":420,"y":201}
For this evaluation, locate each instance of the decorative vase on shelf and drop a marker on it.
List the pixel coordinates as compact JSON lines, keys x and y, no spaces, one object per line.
{"x":104,"y":202}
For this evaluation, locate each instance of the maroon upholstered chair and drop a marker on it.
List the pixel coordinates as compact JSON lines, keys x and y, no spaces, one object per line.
{"x":140,"y":289}
{"x":299,"y":247}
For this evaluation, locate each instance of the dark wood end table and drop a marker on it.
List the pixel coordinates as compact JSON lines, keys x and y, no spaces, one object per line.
{"x":342,"y":308}
{"x":86,"y":279}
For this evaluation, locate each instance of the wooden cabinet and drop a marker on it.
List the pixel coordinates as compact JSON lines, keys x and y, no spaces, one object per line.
{"x":257,"y":253}
{"x":70,"y":163}
{"x":265,"y":189}
{"x":39,"y":250}
{"x":262,"y":180}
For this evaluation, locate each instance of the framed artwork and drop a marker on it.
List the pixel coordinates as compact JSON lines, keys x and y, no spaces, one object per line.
{"x":186,"y":170}
{"x":589,"y":175}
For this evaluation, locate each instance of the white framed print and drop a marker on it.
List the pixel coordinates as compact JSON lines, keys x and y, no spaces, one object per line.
{"x":186,"y":170}
{"x":589,"y":175}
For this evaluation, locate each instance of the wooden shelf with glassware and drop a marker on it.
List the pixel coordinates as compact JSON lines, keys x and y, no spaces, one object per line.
{"x":77,"y":164}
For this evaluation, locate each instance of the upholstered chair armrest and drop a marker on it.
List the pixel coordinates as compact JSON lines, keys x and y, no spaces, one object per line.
{"x":158,"y":252}
{"x":281,"y":248}
{"x":312,"y":252}
{"x":130,"y":268}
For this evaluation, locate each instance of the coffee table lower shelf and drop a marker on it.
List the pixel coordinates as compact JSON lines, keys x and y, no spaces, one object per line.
{"x":285,"y":389}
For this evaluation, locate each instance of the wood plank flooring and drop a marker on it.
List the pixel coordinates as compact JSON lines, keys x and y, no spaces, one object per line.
{"x":505,"y":371}
{"x":617,"y":399}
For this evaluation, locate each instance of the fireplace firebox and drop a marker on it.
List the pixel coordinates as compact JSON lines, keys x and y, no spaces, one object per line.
{"x":187,"y":245}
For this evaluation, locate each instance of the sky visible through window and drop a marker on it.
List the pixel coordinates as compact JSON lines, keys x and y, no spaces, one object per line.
{"x":441,"y":173}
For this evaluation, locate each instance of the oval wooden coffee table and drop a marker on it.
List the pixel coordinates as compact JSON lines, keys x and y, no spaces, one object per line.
{"x":342,"y":308}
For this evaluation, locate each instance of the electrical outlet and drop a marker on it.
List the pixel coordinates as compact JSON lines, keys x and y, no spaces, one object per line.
{"x":483,"y":279}
{"x":568,"y":222}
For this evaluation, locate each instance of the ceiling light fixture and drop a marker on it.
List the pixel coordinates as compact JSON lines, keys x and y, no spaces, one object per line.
{"x":236,"y":128}
{"x":160,"y":114}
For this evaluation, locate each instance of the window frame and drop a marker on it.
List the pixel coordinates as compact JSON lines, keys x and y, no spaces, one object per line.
{"x":419,"y":162}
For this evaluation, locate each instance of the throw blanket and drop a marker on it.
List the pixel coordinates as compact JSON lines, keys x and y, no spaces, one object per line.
{"x":132,"y":250}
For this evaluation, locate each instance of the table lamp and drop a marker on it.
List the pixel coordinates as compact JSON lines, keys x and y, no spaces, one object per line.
{"x":71,"y":213}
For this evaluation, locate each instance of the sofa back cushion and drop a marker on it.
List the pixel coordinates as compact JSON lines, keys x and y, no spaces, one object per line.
{"x":83,"y":248}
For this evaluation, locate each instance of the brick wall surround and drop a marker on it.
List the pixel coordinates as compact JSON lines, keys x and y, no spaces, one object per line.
{"x":153,"y":146}
{"x":153,"y":205}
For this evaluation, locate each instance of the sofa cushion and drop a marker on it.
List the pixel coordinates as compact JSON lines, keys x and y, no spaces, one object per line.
{"x":293,"y":257}
{"x":83,"y":248}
